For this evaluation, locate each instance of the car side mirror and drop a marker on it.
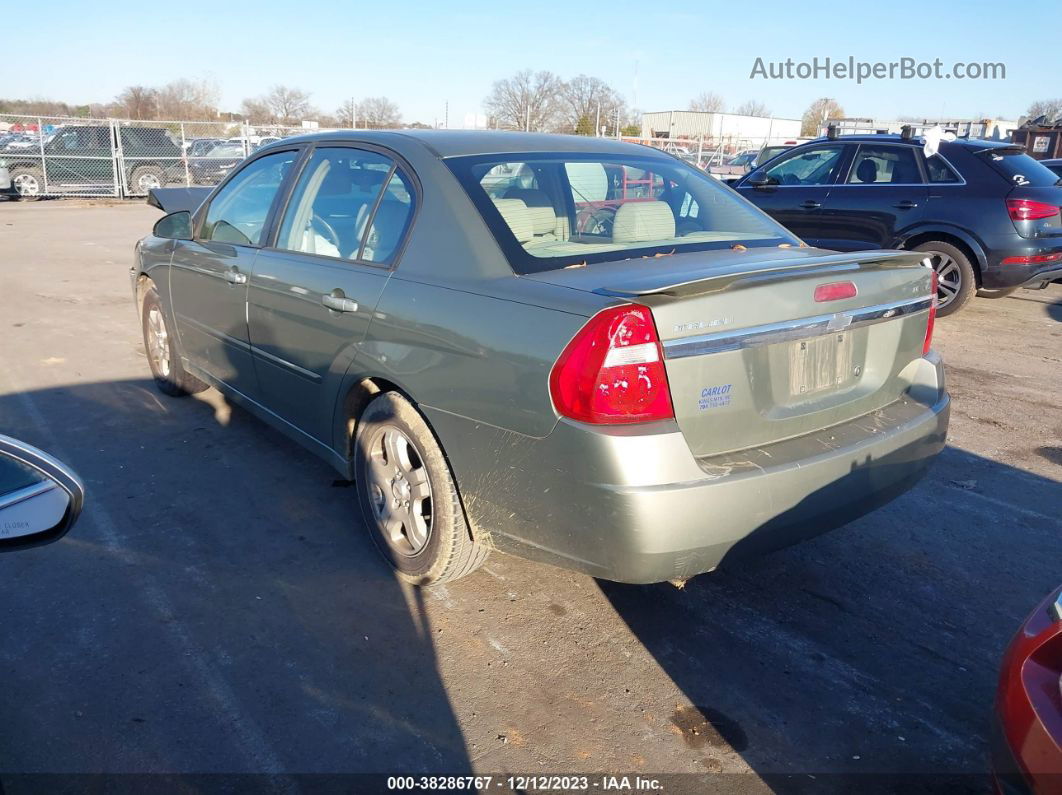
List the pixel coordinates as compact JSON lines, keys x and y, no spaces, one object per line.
{"x":760,"y":179}
{"x":40,"y":497}
{"x":175,"y":226}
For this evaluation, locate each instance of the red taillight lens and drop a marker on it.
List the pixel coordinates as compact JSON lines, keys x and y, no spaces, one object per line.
{"x":932,"y":315}
{"x":1028,"y":210}
{"x":834,"y":291}
{"x":1032,"y":259}
{"x":613,"y":370}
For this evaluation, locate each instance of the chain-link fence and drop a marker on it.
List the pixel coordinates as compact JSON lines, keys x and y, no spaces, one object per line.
{"x":66,"y":156}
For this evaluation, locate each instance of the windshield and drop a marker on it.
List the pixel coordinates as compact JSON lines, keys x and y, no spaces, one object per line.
{"x":558,"y":210}
{"x":1018,"y":168}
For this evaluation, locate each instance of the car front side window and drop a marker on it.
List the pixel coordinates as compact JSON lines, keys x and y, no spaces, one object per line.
{"x":809,"y":167}
{"x":238,"y":213}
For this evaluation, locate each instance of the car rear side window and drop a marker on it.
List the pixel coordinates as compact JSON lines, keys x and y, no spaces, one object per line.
{"x":1018,"y":168}
{"x":939,"y":171}
{"x":350,"y":204}
{"x":238,"y":213}
{"x":815,"y":166}
{"x":884,"y":165}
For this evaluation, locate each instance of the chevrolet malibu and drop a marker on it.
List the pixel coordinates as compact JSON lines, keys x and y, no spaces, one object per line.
{"x":580,"y":351}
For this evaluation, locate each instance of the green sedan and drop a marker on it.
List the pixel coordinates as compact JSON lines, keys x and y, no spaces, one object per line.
{"x":576,"y":350}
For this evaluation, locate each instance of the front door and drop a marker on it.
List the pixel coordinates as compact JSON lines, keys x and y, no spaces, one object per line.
{"x":313,"y":293}
{"x":885,"y":192}
{"x":799,"y":186}
{"x":209,"y":275}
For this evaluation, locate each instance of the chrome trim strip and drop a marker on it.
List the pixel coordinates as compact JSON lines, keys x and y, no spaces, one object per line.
{"x":26,"y":492}
{"x":803,"y":328}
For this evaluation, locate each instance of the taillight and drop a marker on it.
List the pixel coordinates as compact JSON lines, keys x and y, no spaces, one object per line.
{"x":1029,"y":210}
{"x":932,"y":314}
{"x":613,"y":370}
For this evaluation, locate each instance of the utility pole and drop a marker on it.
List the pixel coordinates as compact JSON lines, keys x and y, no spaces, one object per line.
{"x":446,"y":115}
{"x":597,"y":123}
{"x":527,"y":119}
{"x":353,"y":114}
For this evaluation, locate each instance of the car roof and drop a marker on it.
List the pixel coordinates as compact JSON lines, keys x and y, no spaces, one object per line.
{"x":457,"y":143}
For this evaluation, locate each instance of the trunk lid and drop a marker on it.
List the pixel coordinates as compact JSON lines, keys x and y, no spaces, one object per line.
{"x":751,"y":357}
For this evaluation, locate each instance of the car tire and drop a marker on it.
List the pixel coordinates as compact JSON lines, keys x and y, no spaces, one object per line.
{"x":161,"y":346}
{"x":1002,"y":292}
{"x":408,"y":498}
{"x":144,"y":178}
{"x":956,"y":275}
{"x":23,"y":177}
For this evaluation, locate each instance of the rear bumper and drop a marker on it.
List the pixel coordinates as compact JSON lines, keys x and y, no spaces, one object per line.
{"x":633,"y":506}
{"x":997,"y":276}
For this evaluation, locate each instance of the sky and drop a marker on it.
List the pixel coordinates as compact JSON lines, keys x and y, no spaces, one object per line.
{"x":433,"y":56}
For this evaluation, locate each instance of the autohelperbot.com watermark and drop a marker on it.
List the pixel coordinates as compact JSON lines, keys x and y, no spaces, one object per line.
{"x":849,"y":68}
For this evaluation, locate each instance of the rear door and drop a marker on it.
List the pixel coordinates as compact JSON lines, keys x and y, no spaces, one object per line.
{"x":209,"y":275}
{"x":313,"y":292}
{"x":802,"y":181}
{"x":881,"y":193}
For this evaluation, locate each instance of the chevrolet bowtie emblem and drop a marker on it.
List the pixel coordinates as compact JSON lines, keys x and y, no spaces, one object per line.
{"x":838,"y":322}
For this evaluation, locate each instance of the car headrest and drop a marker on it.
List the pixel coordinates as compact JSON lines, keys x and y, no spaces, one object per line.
{"x":543,"y":216}
{"x":517,"y":216}
{"x":867,"y":171}
{"x":638,"y":222}
{"x":387,"y":226}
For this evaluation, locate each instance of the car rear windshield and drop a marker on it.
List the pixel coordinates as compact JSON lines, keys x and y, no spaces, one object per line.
{"x":1018,"y":168}
{"x":550,"y":211}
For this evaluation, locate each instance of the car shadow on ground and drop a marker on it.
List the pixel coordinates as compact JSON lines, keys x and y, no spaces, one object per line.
{"x":890,"y":688}
{"x":217,"y":609}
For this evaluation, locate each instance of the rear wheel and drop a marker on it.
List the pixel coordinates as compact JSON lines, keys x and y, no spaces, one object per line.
{"x":408,"y":498}
{"x":161,"y":346}
{"x":1002,"y":292}
{"x":28,"y":183}
{"x":956,"y":278}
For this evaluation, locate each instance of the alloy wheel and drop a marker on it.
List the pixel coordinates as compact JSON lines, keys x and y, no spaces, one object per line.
{"x":949,"y":276}
{"x":27,"y":185}
{"x":399,"y":491}
{"x":158,"y":342}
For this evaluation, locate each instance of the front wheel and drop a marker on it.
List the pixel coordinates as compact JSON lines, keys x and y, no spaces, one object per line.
{"x":145,"y":178}
{"x":408,"y":498}
{"x":956,"y":278}
{"x":161,"y":346}
{"x":28,"y":183}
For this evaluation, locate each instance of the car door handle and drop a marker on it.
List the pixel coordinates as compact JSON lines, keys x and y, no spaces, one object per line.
{"x":339,"y":303}
{"x":905,"y":205}
{"x":810,"y":204}
{"x":233,"y":276}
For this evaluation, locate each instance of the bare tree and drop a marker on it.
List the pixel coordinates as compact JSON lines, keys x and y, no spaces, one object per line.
{"x":707,"y":102}
{"x":752,"y":107}
{"x":586,"y":102}
{"x":1051,"y":108}
{"x":138,"y":102}
{"x":345,"y":113}
{"x":377,"y":113}
{"x":255,"y":111}
{"x":527,"y":100}
{"x":287,"y":105}
{"x":817,"y":114}
{"x":188,"y":99}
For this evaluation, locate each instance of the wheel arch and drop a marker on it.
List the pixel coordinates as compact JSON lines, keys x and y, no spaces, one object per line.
{"x":959,"y":238}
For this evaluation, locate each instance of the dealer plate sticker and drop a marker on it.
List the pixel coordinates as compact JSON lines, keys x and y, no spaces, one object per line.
{"x":714,"y":397}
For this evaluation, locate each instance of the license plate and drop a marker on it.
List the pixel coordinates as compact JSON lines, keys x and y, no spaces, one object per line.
{"x":819,"y":363}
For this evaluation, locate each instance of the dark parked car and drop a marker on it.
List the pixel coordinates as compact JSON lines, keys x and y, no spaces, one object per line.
{"x":1054,"y":164}
{"x":1027,"y":737}
{"x":985,"y":213}
{"x":215,"y":164}
{"x":83,"y":158}
{"x":574,"y":349}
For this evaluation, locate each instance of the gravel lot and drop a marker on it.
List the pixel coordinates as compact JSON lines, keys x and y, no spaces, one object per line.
{"x":220,"y":609}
